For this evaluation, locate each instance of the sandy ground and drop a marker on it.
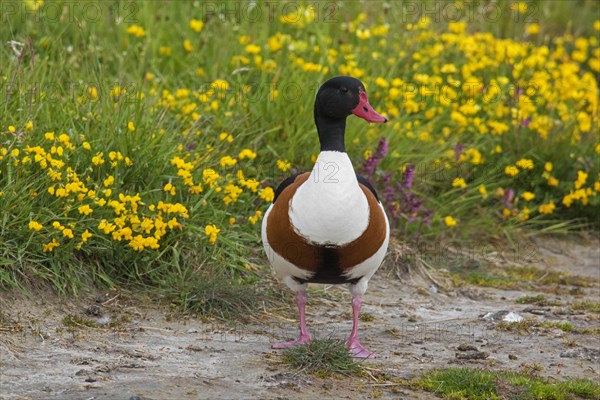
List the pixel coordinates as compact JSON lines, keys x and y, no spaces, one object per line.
{"x":413,"y":327}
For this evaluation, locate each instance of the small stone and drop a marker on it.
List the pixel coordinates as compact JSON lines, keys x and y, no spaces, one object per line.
{"x":512,"y":357}
{"x":503,"y":315}
{"x":466,"y":347}
{"x":472,"y":355}
{"x":94,"y":310}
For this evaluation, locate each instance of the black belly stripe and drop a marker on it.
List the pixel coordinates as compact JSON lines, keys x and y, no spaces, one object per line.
{"x":329,"y":269}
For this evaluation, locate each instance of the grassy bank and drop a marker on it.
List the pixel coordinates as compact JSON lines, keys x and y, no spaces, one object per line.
{"x":142,"y":141}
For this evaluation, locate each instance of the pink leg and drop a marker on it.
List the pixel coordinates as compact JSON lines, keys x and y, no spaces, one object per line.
{"x":353,"y":344}
{"x":304,"y":335}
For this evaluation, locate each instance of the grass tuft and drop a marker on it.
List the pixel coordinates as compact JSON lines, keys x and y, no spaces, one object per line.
{"x":323,"y":357}
{"x":585,"y":305}
{"x":538,"y":300}
{"x":211,"y":293}
{"x":479,"y":384}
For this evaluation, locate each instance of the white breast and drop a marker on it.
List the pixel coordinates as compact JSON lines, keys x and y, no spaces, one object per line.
{"x":330,"y":207}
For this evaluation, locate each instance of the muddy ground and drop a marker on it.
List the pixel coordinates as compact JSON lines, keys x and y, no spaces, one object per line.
{"x":413,"y":325}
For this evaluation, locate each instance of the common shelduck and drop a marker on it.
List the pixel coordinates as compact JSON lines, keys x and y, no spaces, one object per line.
{"x":328,"y":225}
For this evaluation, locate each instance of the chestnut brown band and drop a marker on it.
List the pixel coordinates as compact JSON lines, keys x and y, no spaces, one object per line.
{"x":286,"y":242}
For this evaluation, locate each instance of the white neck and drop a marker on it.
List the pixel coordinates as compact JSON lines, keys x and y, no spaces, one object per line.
{"x":330,"y":207}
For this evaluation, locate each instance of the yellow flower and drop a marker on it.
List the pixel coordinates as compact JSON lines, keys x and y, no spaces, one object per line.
{"x":283,"y":165}
{"x":567,"y":200}
{"x":109,"y":181}
{"x":196,"y":25}
{"x":459,"y":182}
{"x":136,"y":31}
{"x":525,"y":163}
{"x":449,"y":221}
{"x":552,"y":181}
{"x":254,"y":219}
{"x":11,"y":129}
{"x":165,"y":51}
{"x":231,"y":220}
{"x":275,"y":43}
{"x":581,"y":179}
{"x":527,"y":196}
{"x":85,"y":209}
{"x":226,"y":136}
{"x":227,"y":161}
{"x":86,"y":145}
{"x":232,"y":193}
{"x":98,"y":159}
{"x":252,"y":49}
{"x":86,"y":235}
{"x":35,"y":226}
{"x":457,"y":27}
{"x":382,"y":83}
{"x":448,"y":69}
{"x":169,"y":188}
{"x":511,"y":170}
{"x":212,"y":232}
{"x":548,"y":167}
{"x":483,"y":191}
{"x":247,"y":153}
{"x":251,"y":184}
{"x":210,"y":177}
{"x":584,"y":121}
{"x":131,"y":126}
{"x":49,"y":247}
{"x":520,"y":7}
{"x":547,"y":208}
{"x":267,"y":194}
{"x":187,"y":46}
{"x":29,"y":126}
{"x":49,"y":136}
{"x":532,"y":29}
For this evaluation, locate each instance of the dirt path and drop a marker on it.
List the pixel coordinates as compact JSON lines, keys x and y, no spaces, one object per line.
{"x":412,"y":326}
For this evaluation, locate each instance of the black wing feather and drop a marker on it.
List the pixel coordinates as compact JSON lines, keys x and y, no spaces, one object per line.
{"x":286,"y":182}
{"x":368,"y":185}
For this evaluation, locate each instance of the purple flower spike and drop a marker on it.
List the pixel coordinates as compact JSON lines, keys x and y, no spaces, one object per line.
{"x":458,"y":150}
{"x":382,"y":148}
{"x":371,"y":164}
{"x":509,"y":194}
{"x":407,"y":176}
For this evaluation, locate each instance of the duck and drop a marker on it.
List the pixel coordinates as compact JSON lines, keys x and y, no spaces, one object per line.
{"x":327,"y":225}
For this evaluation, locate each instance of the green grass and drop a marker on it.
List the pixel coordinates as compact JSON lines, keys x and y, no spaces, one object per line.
{"x":529,"y":278}
{"x":214,"y":294}
{"x":585,"y":305}
{"x":479,"y":384}
{"x":155,"y":107}
{"x":538,"y":300}
{"x":323,"y":358}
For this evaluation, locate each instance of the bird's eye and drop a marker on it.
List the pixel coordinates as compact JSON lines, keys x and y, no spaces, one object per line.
{"x":344,"y":90}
